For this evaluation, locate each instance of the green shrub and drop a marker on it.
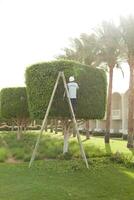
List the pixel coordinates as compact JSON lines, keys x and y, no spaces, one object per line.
{"x":27,"y":157}
{"x":5,"y":128}
{"x":18,"y":153}
{"x":116,"y":135}
{"x":13,"y":103}
{"x":112,"y":135}
{"x":66,"y":156}
{"x":40,"y":80}
{"x":3,"y":154}
{"x":125,"y":136}
{"x":37,"y":127}
{"x":15,"y":128}
{"x":120,"y":158}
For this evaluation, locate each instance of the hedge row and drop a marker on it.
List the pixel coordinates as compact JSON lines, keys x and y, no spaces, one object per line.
{"x":10,"y":128}
{"x":40,"y":80}
{"x":112,"y":135}
{"x":38,"y":127}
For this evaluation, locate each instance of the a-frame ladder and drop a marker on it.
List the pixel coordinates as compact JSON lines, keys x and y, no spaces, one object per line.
{"x":60,"y":75}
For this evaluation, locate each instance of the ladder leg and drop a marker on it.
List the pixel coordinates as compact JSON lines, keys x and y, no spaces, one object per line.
{"x":75,"y":123}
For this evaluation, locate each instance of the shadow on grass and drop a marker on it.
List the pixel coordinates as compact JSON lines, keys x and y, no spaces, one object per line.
{"x":132,"y":150}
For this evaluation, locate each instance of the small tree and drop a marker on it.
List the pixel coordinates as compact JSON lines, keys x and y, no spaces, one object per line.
{"x":40,"y":80}
{"x":14,"y":106}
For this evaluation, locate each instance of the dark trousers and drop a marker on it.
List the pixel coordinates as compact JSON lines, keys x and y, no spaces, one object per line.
{"x":74,"y":104}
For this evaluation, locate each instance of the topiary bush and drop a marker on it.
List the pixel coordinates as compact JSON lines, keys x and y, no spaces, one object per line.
{"x":13,"y":103}
{"x":40,"y":80}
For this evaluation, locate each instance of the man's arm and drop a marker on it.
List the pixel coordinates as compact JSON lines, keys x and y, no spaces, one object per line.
{"x":77,"y":85}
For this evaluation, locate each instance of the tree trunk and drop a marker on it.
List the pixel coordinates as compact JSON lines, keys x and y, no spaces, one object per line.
{"x":66,"y":140}
{"x":66,"y":137}
{"x":74,"y":132}
{"x":109,"y":102}
{"x":51,"y":126}
{"x":18,"y":133}
{"x":21,"y":130}
{"x":130,"y":143}
{"x":25,"y":129}
{"x":12,"y":127}
{"x":19,"y":123}
{"x":87,"y":130}
{"x":56,"y":126}
{"x":46,"y":126}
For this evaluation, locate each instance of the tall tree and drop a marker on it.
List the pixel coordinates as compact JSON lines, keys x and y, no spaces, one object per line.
{"x":109,"y":53}
{"x":83,"y":49}
{"x":127,"y":27}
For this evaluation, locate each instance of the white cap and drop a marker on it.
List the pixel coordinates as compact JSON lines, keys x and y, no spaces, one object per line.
{"x":71,"y":78}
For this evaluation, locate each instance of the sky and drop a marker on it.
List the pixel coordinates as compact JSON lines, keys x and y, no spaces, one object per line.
{"x":33,"y":31}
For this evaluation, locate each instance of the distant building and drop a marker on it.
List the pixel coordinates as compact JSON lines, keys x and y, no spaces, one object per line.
{"x":119,"y":115}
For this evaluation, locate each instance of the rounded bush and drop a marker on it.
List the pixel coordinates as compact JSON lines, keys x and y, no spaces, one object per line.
{"x":40,"y":81}
{"x":14,"y":103}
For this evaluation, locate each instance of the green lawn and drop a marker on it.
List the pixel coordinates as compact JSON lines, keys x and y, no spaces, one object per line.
{"x":110,"y":175}
{"x":66,"y":180}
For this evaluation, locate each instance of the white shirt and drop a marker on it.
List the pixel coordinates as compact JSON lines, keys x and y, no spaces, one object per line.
{"x":72,"y":88}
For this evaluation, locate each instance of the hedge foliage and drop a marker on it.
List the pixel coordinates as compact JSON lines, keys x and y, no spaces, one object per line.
{"x":112,"y":135}
{"x":40,"y":80}
{"x":13,"y":103}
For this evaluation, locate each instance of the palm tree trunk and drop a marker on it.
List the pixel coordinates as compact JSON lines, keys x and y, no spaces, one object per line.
{"x":109,"y":103}
{"x":130,"y":143}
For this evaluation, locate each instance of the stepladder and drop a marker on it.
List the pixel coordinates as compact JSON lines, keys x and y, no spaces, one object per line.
{"x":44,"y":123}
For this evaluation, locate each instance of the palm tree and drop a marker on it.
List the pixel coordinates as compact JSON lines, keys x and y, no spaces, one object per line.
{"x":83,"y":49}
{"x":109,"y":53}
{"x":127,"y":27}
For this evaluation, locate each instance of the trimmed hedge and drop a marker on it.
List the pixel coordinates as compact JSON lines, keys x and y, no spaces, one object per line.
{"x":40,"y":80}
{"x":15,"y":128}
{"x":125,"y":136}
{"x":112,"y":135}
{"x":7,"y":128}
{"x":13,"y":103}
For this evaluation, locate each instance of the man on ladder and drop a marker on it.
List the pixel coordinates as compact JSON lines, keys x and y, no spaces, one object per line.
{"x":72,"y":89}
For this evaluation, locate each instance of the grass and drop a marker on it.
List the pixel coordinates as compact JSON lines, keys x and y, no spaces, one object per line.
{"x":66,"y":180}
{"x":51,"y":147}
{"x":60,"y":179}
